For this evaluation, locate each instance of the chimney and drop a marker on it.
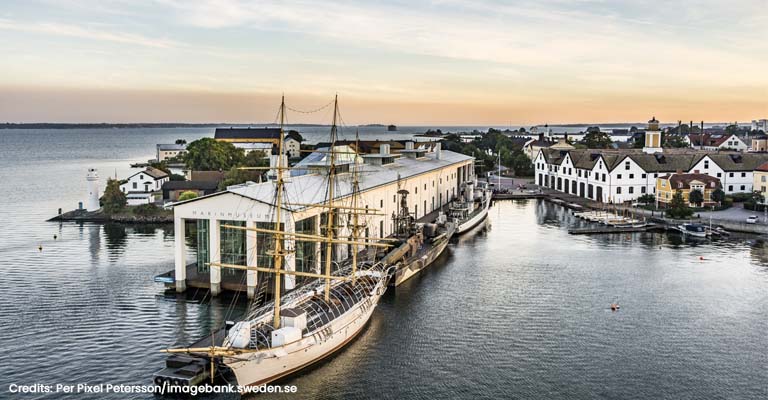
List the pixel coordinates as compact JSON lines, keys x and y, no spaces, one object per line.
{"x":679,"y":171}
{"x":438,"y":151}
{"x":409,"y":145}
{"x":541,"y":136}
{"x":384,"y":149}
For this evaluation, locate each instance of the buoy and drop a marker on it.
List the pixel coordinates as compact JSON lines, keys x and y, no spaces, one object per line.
{"x":701,"y":258}
{"x":55,"y":237}
{"x":40,"y":248}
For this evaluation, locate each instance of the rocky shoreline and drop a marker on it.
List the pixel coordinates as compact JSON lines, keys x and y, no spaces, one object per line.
{"x":162,"y":217}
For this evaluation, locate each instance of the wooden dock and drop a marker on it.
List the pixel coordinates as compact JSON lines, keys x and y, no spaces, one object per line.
{"x":605,"y":229}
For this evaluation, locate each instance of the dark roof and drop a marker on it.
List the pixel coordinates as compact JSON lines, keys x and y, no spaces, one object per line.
{"x":190,"y":185}
{"x":670,"y":160}
{"x":683,"y":181}
{"x":247,"y":133}
{"x":156,"y":173}
{"x":213,"y":176}
{"x":152,"y":172}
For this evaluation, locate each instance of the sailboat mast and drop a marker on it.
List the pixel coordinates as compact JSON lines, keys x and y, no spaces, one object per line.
{"x":355,"y":219}
{"x":278,"y":255}
{"x":329,"y":204}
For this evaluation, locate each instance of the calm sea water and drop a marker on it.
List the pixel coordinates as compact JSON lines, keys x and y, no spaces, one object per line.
{"x":518,"y":309}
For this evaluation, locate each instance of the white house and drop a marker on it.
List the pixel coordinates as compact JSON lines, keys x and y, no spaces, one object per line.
{"x":145,"y":186}
{"x":708,"y":141}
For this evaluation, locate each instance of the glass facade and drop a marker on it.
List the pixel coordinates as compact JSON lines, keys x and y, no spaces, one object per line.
{"x":232,"y":246}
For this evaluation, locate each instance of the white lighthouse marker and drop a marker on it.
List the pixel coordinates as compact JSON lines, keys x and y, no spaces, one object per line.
{"x":92,"y":202}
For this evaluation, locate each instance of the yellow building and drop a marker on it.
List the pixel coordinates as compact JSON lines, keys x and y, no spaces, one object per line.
{"x":668,"y":185}
{"x":760,"y":179}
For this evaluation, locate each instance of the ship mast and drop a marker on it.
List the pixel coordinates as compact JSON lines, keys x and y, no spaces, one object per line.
{"x":278,"y":253}
{"x":355,"y":221}
{"x":329,"y":203}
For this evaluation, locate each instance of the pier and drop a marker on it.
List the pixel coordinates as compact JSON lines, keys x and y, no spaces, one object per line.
{"x":592,"y":230}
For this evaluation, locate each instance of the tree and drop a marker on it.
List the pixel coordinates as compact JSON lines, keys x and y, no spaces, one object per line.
{"x":675,"y":141}
{"x":696,"y":197}
{"x":161,"y":165}
{"x":678,"y":208}
{"x":595,"y":139}
{"x":208,"y":154}
{"x":236,"y":176}
{"x":718,"y":195}
{"x":256,"y":159}
{"x":188,"y":195}
{"x":181,"y":141}
{"x":646,"y":198}
{"x":521,"y":164}
{"x":754,"y":201}
{"x":113,"y":199}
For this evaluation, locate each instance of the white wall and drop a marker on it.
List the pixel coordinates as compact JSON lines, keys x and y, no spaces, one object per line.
{"x":142,"y":182}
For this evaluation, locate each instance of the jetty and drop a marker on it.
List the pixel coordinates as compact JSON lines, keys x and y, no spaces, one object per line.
{"x":604,"y":229}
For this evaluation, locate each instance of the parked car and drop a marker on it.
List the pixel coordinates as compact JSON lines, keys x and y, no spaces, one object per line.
{"x":752,"y":219}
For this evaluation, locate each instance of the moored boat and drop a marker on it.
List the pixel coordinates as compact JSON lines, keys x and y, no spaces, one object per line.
{"x":695,"y":230}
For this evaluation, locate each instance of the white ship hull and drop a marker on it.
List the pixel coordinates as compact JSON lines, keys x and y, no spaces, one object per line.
{"x":263,"y":367}
{"x":476,"y":219}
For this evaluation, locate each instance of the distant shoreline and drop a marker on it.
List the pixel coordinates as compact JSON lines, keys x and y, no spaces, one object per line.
{"x":62,"y":125}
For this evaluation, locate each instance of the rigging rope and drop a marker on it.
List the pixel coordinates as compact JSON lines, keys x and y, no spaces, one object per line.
{"x":310,"y":111}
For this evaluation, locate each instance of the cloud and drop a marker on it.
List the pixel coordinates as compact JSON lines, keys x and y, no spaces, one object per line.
{"x":70,"y":30}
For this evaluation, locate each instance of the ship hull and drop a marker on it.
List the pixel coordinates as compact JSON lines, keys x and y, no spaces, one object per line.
{"x":414,"y":266}
{"x":476,"y":219}
{"x":255,"y":369}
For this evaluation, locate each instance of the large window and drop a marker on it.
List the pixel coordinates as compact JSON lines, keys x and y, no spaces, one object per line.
{"x":305,"y":250}
{"x":233,"y":249}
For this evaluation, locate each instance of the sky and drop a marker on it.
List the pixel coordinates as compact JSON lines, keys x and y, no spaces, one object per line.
{"x":443,"y":62}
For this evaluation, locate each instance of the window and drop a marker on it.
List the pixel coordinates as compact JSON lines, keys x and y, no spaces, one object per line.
{"x":134,"y":185}
{"x":141,"y":177}
{"x":762,"y":178}
{"x":743,"y":187}
{"x":642,"y":189}
{"x":730,"y":174}
{"x":618,"y":176}
{"x":719,"y":175}
{"x":663,"y":183}
{"x":706,"y":164}
{"x":416,"y":190}
{"x":425,"y":186}
{"x":603,"y":177}
{"x":618,"y":190}
{"x":730,"y":188}
{"x":743,"y":174}
{"x":381,"y":203}
{"x":655,"y":175}
{"x":642,"y":176}
{"x":626,"y":165}
{"x":631,"y":176}
{"x":631,"y":190}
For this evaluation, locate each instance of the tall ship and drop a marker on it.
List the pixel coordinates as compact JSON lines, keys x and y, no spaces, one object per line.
{"x":308,"y":324}
{"x":312,"y":247}
{"x":471,"y":208}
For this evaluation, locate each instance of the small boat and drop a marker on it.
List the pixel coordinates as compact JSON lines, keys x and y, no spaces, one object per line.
{"x":615,"y":306}
{"x":696,"y":230}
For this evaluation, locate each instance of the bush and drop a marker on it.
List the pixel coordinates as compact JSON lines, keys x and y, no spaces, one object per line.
{"x":146,"y":209}
{"x":646,"y":199}
{"x":188,"y":195}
